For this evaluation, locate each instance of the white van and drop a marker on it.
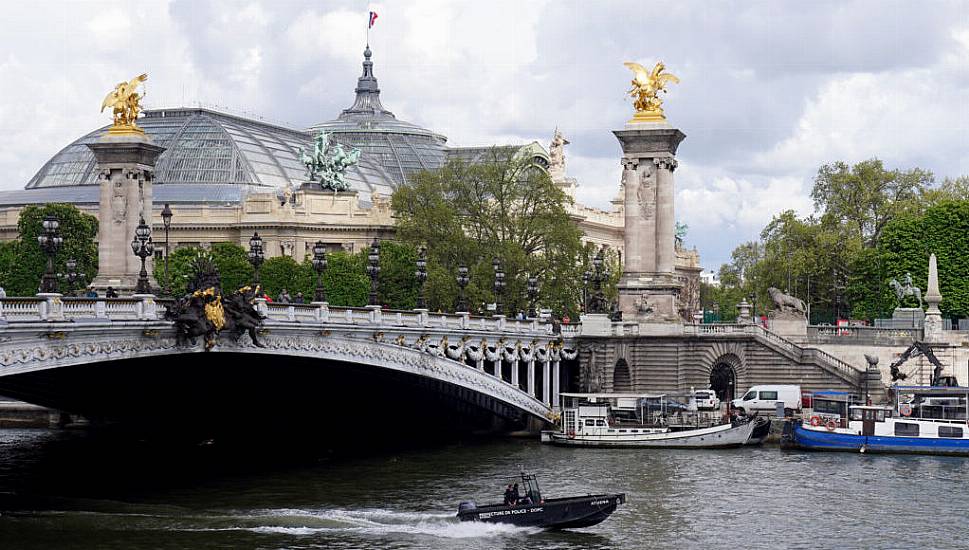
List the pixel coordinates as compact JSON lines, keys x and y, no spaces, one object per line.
{"x":764,"y":398}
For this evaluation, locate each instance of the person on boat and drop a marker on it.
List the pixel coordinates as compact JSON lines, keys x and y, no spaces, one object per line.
{"x":516,"y":496}
{"x":509,"y":496}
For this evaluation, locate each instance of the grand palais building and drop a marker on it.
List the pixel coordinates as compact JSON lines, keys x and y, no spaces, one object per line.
{"x":226,"y":176}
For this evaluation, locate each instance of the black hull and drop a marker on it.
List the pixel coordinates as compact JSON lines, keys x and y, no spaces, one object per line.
{"x":559,"y":513}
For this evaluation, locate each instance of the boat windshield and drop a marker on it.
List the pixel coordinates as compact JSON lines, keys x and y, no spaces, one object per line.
{"x":880,"y":414}
{"x":532,"y":491}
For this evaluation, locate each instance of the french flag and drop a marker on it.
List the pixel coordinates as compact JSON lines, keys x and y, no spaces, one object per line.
{"x":373,"y":19}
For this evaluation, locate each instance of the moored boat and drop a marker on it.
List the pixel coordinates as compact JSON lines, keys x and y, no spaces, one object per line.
{"x":931,"y":421}
{"x":534,"y":510}
{"x":597,"y":420}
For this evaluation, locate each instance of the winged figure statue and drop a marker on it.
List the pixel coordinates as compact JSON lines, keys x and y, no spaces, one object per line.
{"x":125,"y":103}
{"x":646,"y":88}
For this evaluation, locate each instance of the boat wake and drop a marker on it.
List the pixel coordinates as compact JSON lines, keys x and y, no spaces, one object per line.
{"x":367,"y":522}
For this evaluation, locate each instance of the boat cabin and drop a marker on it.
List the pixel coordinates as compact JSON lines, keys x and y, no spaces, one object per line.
{"x":615,"y":413}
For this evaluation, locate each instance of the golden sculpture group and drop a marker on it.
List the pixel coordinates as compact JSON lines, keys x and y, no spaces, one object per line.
{"x":646,"y":88}
{"x":125,"y":103}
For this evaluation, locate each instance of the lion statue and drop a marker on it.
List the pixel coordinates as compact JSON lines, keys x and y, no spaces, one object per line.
{"x":785,"y":302}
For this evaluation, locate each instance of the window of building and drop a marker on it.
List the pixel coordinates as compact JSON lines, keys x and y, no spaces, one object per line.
{"x":950,"y":431}
{"x":906,"y":429}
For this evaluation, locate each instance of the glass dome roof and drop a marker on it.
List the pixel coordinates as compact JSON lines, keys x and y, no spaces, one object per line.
{"x":400,"y":147}
{"x":208,"y":147}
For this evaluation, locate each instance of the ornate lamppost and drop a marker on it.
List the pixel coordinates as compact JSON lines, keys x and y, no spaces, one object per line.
{"x":373,"y":269}
{"x":50,"y":242}
{"x":462,"y":280}
{"x":319,"y":265}
{"x":532,"y":296}
{"x":256,"y":256}
{"x":142,"y":247}
{"x":421,"y":275}
{"x":166,"y":215}
{"x":599,"y":276}
{"x":72,"y":275}
{"x":499,"y":285}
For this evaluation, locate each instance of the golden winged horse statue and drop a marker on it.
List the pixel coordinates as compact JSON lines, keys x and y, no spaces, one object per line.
{"x":125,"y":103}
{"x":646,"y":88}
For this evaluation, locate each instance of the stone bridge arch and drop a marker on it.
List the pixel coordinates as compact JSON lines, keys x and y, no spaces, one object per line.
{"x":42,"y":370}
{"x":726,"y":370}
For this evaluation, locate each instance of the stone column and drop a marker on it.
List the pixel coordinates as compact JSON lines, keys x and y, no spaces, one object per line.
{"x":555,"y":383}
{"x":531,"y":377}
{"x":514,"y":372}
{"x":546,"y":383}
{"x":665,"y":219}
{"x":648,"y":289}
{"x":125,"y":166}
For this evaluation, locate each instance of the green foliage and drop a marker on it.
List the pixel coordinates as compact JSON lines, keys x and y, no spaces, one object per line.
{"x":283,"y":273}
{"x":397,"y":287}
{"x":345,"y":279}
{"x":501,"y":206}
{"x":22,"y":262}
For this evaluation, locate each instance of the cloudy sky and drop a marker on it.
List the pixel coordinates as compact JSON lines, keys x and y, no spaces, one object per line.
{"x":770,"y":90}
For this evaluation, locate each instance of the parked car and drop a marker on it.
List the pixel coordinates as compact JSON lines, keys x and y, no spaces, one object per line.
{"x":704,"y":400}
{"x":764,"y":399}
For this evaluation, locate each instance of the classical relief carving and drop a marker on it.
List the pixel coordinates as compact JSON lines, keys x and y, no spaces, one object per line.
{"x":646,"y":194}
{"x":119,"y":203}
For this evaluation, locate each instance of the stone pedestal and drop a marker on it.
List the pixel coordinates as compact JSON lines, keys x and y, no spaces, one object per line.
{"x":648,"y":290}
{"x":596,"y":324}
{"x":125,"y":166}
{"x":908,"y":317}
{"x":788,"y":326}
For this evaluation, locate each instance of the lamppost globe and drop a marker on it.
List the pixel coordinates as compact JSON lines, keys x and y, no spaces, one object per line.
{"x":50,"y":242}
{"x":143,"y":247}
{"x":166,"y":215}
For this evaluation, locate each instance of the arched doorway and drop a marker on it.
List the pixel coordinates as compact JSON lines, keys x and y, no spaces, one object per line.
{"x":620,"y":377}
{"x":723,"y":381}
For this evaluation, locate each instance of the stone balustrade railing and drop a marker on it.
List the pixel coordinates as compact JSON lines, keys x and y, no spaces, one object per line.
{"x":826,"y":334}
{"x":148,"y":308}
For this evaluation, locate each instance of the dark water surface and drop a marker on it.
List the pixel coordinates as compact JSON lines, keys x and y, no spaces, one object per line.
{"x":74,"y":490}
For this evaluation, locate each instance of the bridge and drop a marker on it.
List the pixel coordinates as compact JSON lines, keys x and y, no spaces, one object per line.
{"x":117,"y":358}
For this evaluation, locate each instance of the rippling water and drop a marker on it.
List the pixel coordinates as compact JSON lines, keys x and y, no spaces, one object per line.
{"x":63,"y":489}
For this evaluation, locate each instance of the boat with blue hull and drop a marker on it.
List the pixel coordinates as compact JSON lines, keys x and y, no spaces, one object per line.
{"x":924,"y":420}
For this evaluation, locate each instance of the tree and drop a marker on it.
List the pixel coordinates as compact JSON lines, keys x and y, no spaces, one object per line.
{"x":235,"y":271}
{"x":504,"y":207}
{"x":866,"y":196}
{"x":282,"y":272}
{"x":397,"y":287}
{"x":345,"y":279}
{"x":23,"y":263}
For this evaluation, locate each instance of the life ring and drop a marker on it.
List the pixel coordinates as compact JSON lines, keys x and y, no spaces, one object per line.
{"x":905,"y":409}
{"x":815,"y":421}
{"x":570,"y":434}
{"x":831,"y":425}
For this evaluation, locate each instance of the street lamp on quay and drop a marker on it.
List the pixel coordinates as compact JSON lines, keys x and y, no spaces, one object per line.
{"x":256,"y":256}
{"x":373,"y":269}
{"x":319,"y":265}
{"x":499,"y":285}
{"x":166,"y":215}
{"x":142,"y":247}
{"x":50,"y":242}
{"x":421,"y":275}
{"x":462,"y":280}
{"x":532,"y":296}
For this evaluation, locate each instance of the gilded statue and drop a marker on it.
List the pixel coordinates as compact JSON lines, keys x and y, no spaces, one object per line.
{"x":646,"y":88}
{"x":125,"y":103}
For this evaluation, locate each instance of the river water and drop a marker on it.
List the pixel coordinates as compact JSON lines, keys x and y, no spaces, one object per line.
{"x":76,"y":490}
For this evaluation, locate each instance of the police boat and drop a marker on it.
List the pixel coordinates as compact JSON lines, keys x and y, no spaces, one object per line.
{"x":534,"y":510}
